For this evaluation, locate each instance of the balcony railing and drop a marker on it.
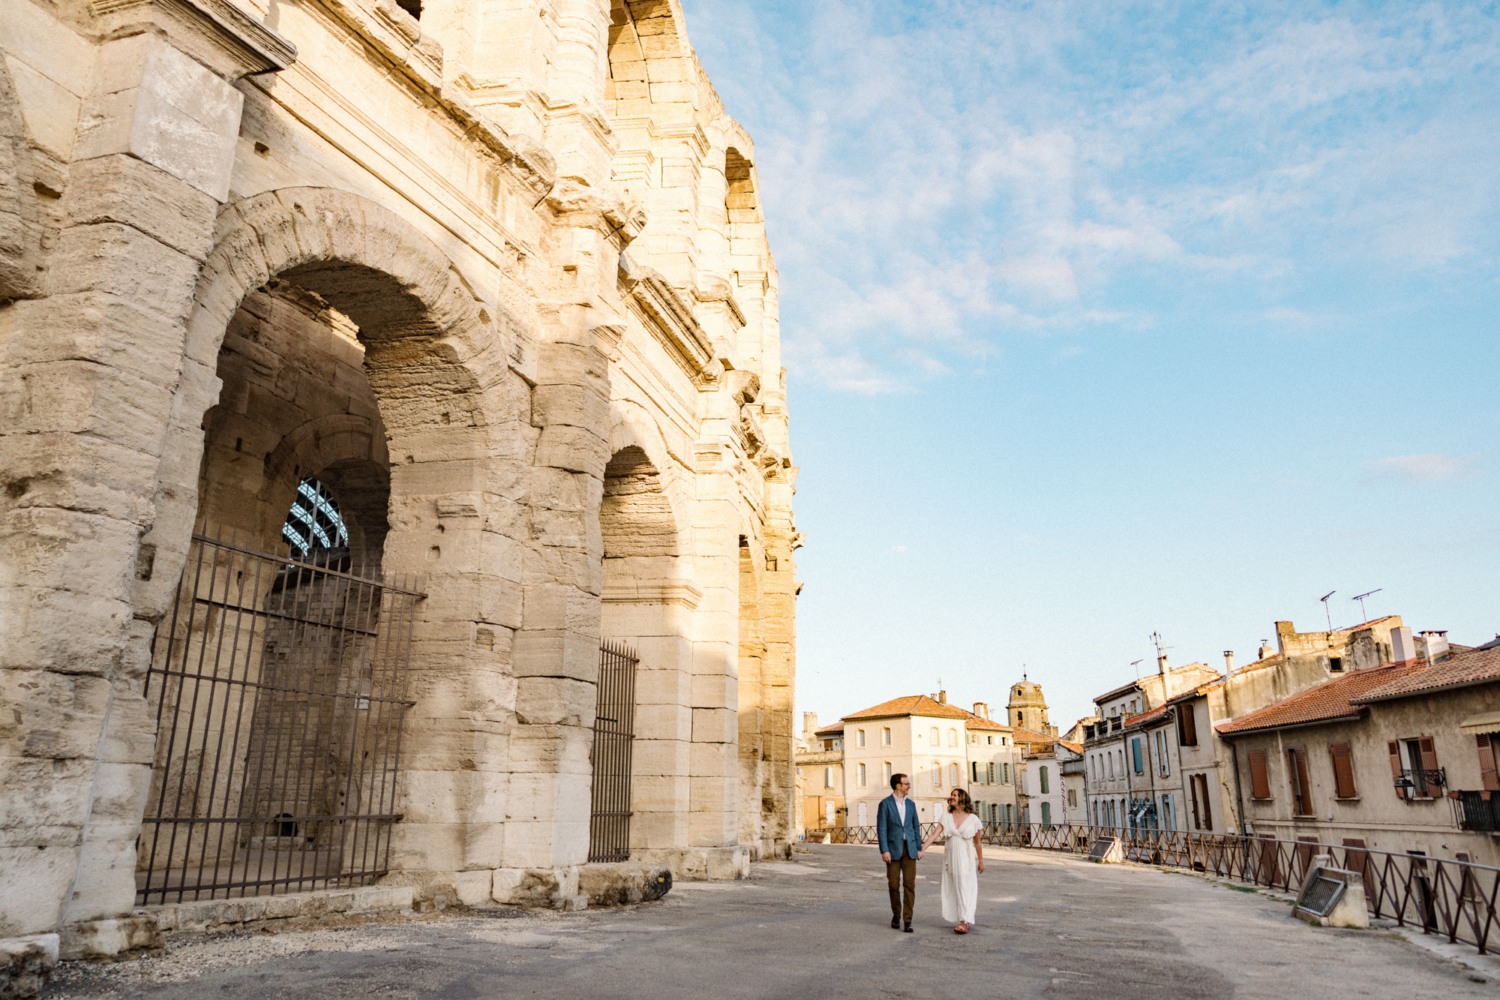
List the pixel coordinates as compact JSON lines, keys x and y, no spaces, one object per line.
{"x":1422,"y":784}
{"x":1478,"y":811}
{"x":1456,"y":899}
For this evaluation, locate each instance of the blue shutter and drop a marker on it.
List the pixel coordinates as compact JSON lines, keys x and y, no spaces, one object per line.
{"x":1135,"y":752}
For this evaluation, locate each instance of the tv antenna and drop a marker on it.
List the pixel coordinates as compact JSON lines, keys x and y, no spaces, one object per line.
{"x":1160,"y":649}
{"x":1137,"y":665}
{"x":1361,"y":599}
{"x":1324,"y":599}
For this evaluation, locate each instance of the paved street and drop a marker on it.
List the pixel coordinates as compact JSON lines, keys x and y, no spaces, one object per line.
{"x":817,"y":928}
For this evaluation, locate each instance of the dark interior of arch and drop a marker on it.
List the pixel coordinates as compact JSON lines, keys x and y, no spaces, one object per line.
{"x":635,"y":517}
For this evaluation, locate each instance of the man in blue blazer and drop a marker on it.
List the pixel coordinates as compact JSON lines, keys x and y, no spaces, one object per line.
{"x":900,"y":834}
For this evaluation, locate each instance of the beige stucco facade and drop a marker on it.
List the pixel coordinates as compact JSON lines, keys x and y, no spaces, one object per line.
{"x":498,"y":275}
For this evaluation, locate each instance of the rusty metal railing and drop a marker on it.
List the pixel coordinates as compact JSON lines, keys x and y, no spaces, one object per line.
{"x":1455,"y":899}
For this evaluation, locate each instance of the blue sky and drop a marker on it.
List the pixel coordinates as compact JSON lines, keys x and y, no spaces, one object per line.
{"x":1105,"y":319}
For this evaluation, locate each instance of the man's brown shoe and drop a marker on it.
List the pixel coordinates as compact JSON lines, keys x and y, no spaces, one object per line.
{"x":895,"y":923}
{"x":908,"y":927}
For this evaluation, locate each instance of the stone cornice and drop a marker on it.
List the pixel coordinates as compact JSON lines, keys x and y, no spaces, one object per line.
{"x":643,"y":592}
{"x":670,"y":318}
{"x":234,"y":45}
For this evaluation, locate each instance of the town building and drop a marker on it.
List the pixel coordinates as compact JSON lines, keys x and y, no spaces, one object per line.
{"x":450,"y":334}
{"x":993,"y":760}
{"x":1027,"y":708}
{"x":820,"y":774}
{"x":1394,"y":757}
{"x":920,"y":736}
{"x":1118,"y":791}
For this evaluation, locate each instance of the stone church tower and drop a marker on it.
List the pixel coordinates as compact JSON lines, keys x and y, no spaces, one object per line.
{"x":1027,"y":708}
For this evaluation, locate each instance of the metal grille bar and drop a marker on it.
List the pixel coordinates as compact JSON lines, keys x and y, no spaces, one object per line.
{"x":614,"y":737}
{"x":1456,"y":899}
{"x":279,"y":685}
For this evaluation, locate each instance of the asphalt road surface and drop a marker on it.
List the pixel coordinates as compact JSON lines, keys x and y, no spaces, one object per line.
{"x":818,"y":928}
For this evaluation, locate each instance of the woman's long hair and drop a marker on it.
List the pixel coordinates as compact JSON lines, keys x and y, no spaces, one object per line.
{"x":964,"y":802}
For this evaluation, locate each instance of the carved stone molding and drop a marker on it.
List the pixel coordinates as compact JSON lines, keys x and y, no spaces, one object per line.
{"x":679,"y":592}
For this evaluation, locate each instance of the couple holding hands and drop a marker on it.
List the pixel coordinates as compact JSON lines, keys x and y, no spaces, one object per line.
{"x":900,"y":833}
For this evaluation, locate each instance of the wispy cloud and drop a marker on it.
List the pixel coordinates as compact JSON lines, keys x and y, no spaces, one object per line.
{"x":1426,"y":468}
{"x":943,"y":182}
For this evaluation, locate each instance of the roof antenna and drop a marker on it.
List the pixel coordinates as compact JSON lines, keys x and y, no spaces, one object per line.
{"x":1324,"y":599}
{"x":1137,"y":665}
{"x":1361,"y":599}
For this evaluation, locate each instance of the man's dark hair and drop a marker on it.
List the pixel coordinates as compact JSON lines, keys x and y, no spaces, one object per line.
{"x":896,"y":779}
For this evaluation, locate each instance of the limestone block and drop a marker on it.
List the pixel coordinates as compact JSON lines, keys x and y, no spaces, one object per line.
{"x":123,"y":189}
{"x":623,"y":883}
{"x":663,"y":722}
{"x":96,"y":939}
{"x":715,"y":725}
{"x":121,"y":260}
{"x":553,"y":653}
{"x":26,"y":963}
{"x":154,"y":102}
{"x":574,"y":449}
{"x":49,"y":109}
{"x":33,"y":881}
{"x":535,"y":888}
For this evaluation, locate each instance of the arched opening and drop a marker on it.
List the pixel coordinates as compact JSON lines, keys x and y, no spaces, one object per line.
{"x":647,"y":605}
{"x":344,"y":455}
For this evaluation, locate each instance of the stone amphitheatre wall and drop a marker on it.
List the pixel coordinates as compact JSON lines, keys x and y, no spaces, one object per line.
{"x":497,"y":276}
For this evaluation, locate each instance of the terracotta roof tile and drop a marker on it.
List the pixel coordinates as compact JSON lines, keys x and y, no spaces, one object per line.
{"x":836,"y":729}
{"x":1146,"y":718}
{"x":1335,"y":699}
{"x":918,"y":704}
{"x":1032,"y":736}
{"x":1475,"y":666}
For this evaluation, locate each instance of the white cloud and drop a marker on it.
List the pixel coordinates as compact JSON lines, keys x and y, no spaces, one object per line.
{"x":1425,"y":468}
{"x":937,"y":182}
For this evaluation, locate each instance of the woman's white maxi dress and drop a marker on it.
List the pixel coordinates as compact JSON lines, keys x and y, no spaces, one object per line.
{"x":960,"y":867}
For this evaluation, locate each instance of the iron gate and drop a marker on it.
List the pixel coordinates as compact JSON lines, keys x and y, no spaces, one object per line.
{"x":279,"y":685}
{"x":614,"y":733}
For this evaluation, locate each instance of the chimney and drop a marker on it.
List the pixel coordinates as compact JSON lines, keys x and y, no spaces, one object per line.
{"x":942,"y":697}
{"x":1228,"y":662}
{"x":1161,"y":664}
{"x":1402,"y":646}
{"x":809,"y":726}
{"x":1265,"y":649}
{"x":982,"y":710}
{"x":1435,"y":645}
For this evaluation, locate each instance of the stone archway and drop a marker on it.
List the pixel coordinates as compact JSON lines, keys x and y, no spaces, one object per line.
{"x":436,"y":360}
{"x":648,"y":604}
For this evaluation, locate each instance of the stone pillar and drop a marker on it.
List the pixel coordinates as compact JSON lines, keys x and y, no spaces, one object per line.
{"x":92,"y":371}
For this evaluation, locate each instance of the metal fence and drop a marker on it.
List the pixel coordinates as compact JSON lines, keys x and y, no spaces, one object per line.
{"x":1441,"y":896}
{"x":279,"y":686}
{"x":614,"y":738}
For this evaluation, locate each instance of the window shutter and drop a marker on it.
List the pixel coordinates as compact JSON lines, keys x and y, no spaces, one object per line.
{"x":1208,"y":815}
{"x":1487,"y":771}
{"x":1394,"y":749}
{"x":1343,"y":770}
{"x":1429,"y":754}
{"x":1304,"y":785}
{"x":1187,"y":726}
{"x":1135,"y":752}
{"x":1193,"y":793}
{"x":1260,"y":787}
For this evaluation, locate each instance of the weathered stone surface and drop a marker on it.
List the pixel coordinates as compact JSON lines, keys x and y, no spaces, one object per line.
{"x":26,"y":963}
{"x":622,"y":883}
{"x":530,"y":352}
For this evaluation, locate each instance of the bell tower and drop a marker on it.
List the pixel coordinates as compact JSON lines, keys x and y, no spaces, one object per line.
{"x":1027,"y":708}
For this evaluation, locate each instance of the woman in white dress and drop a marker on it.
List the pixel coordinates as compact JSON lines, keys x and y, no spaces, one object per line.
{"x":963,"y":859}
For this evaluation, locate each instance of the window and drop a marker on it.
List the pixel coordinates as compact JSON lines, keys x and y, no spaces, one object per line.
{"x":953,"y":737}
{"x":1135,"y":754}
{"x":1110,"y":760}
{"x":1343,"y":770}
{"x":1004,"y":742}
{"x":953,"y":775}
{"x":799,"y":772}
{"x":885,"y":736}
{"x":937,"y":775}
{"x":989,"y":741}
{"x":862,"y":783}
{"x":1335,"y":663}
{"x":1163,"y":763}
{"x":974,"y":771}
{"x":1187,"y":726}
{"x":1042,"y":777}
{"x":828,"y":744}
{"x":1419,"y":776}
{"x":887,"y":772}
{"x":861,"y":740}
{"x":1260,"y":781}
{"x":1072,"y":797}
{"x":1005,"y":774}
{"x":1489,"y":774}
{"x":934,"y":737}
{"x":827,"y":777}
{"x":1198,"y":790}
{"x":1047,"y":815}
{"x":1168,"y":820}
{"x":990,"y":778}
